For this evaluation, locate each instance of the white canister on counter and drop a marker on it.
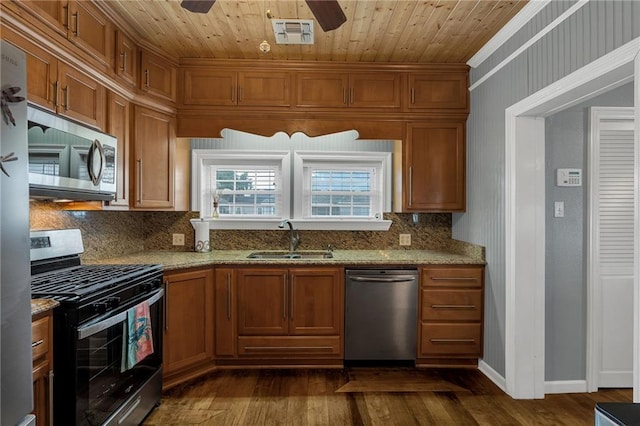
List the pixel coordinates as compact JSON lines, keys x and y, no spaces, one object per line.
{"x":202,"y":236}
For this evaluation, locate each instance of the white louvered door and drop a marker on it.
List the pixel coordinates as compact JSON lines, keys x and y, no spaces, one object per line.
{"x":612,"y":222}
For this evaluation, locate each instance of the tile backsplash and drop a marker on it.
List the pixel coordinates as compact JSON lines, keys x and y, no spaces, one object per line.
{"x":114,"y":233}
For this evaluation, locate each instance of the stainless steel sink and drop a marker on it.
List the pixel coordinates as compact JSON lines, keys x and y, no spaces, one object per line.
{"x":295,"y":255}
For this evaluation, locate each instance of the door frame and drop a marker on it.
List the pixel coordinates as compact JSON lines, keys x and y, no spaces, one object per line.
{"x":524,"y":214}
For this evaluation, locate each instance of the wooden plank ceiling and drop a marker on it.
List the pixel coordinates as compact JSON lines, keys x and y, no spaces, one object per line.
{"x":399,"y":31}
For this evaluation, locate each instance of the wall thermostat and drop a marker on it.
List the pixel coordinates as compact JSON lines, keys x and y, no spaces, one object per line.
{"x":569,"y":177}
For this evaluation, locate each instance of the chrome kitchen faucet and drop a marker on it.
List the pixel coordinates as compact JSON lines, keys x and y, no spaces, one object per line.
{"x":294,"y":237}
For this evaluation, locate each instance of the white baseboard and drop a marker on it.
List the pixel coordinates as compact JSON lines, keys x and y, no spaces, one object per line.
{"x":565,"y":386}
{"x":492,"y":374}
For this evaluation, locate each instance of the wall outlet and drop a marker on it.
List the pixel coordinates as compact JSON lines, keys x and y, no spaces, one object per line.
{"x":178,"y":239}
{"x":405,"y":239}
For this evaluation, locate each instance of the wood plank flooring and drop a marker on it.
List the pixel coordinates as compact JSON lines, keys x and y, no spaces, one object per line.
{"x":366,"y":396}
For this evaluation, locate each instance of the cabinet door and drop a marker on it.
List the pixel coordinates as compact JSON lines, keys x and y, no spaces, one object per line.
{"x":225,"y":313}
{"x":439,"y":91}
{"x":158,"y":77}
{"x":42,"y":70}
{"x":81,"y":97}
{"x":262,"y":302}
{"x":209,"y":87}
{"x":154,"y":152}
{"x":188,"y":336}
{"x":434,"y":172}
{"x":264,"y":88}
{"x":126,"y":63}
{"x":53,"y":13}
{"x":91,"y":30}
{"x":327,"y":90}
{"x":317,"y":301}
{"x":374,"y":90}
{"x":42,"y":376}
{"x":118,"y":116}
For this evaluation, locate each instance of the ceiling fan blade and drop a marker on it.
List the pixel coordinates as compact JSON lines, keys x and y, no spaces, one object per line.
{"x":197,"y":6}
{"x":328,"y":13}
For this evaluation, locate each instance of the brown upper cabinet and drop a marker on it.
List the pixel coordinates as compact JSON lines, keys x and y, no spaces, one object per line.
{"x":357,"y":90}
{"x":434,"y":167}
{"x":80,"y":22}
{"x":60,"y":88}
{"x":154,"y":147}
{"x":157,"y":76}
{"x":126,"y":60}
{"x":118,"y":118}
{"x":439,"y":91}
{"x":207,"y":86}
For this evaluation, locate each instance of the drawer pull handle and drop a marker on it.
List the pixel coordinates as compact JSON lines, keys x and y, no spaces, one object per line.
{"x":453,"y":306}
{"x":37,"y":343}
{"x":453,"y":279}
{"x":452,"y":340}
{"x":287,"y":348}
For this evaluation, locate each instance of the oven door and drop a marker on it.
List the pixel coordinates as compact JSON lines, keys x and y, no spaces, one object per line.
{"x":104,"y":383}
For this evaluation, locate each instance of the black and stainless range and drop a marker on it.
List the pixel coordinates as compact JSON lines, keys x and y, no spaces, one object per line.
{"x":92,"y":385}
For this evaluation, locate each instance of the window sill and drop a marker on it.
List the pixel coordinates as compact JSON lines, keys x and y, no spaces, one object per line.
{"x":308,"y":224}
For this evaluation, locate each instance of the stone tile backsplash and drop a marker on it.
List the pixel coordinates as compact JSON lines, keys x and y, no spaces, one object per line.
{"x":116,"y":233}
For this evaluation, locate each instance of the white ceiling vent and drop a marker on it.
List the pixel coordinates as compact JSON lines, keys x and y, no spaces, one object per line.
{"x":293,"y":31}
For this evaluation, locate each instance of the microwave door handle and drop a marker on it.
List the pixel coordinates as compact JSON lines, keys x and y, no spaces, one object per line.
{"x":91,"y":167}
{"x":91,"y":329}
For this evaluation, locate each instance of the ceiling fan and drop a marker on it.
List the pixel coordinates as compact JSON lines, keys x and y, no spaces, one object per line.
{"x":328,"y":13}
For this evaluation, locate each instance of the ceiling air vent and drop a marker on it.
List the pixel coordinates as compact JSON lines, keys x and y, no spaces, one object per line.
{"x":293,"y":31}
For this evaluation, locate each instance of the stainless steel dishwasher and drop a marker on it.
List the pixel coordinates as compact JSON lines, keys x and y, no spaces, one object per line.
{"x":381,"y":314}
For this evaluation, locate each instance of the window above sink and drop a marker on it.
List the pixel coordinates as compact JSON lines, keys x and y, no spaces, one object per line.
{"x":314,"y":188}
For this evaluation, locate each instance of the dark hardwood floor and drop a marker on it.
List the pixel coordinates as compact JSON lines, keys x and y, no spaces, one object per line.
{"x":366,"y":396}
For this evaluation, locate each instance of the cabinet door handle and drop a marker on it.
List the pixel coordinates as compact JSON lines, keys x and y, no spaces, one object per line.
{"x":166,"y":306}
{"x":410,"y":186}
{"x":233,"y":94}
{"x":123,"y":55}
{"x":344,"y":95}
{"x":292,"y":296}
{"x":229,"y":295}
{"x":66,"y":97}
{"x":76,"y":31}
{"x":240,"y":94}
{"x":284,"y":296}
{"x":452,"y":340}
{"x":413,"y":95}
{"x":453,"y":306}
{"x":139,"y":161}
{"x":66,"y":16}
{"x":146,"y":78}
{"x":352,"y":95}
{"x":37,"y":343}
{"x":55,"y":93}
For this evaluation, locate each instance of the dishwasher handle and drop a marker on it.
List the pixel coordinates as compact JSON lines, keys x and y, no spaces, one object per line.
{"x":383,"y":280}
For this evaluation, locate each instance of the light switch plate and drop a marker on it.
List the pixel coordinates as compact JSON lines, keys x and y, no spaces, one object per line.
{"x":558,"y":209}
{"x":405,"y":239}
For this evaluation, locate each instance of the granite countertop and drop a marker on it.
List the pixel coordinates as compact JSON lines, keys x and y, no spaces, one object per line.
{"x":171,"y":260}
{"x":42,"y":305}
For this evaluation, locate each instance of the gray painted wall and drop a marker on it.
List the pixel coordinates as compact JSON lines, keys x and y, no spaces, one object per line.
{"x":595,"y":29}
{"x":567,"y":138}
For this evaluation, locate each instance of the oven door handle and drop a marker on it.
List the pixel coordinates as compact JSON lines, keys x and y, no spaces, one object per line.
{"x":91,"y":329}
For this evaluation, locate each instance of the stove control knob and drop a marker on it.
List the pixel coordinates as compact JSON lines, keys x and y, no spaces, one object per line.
{"x":100,"y":307}
{"x":146,"y":287}
{"x":113,"y":302}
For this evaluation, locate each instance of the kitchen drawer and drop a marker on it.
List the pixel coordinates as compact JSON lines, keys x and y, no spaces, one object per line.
{"x":289,"y":346}
{"x":451,"y":304}
{"x":40,"y":337}
{"x":452,"y":277}
{"x":450,"y":339}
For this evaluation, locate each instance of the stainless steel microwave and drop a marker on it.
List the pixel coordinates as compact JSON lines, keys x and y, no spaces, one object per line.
{"x":68,"y":160}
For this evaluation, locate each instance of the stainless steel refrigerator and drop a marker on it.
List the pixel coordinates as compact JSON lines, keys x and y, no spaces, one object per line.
{"x":16,"y":382}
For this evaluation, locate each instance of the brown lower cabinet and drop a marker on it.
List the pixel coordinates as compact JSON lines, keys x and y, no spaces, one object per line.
{"x":42,"y":352}
{"x":451,"y":315}
{"x":286,"y":316}
{"x":189,"y":327}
